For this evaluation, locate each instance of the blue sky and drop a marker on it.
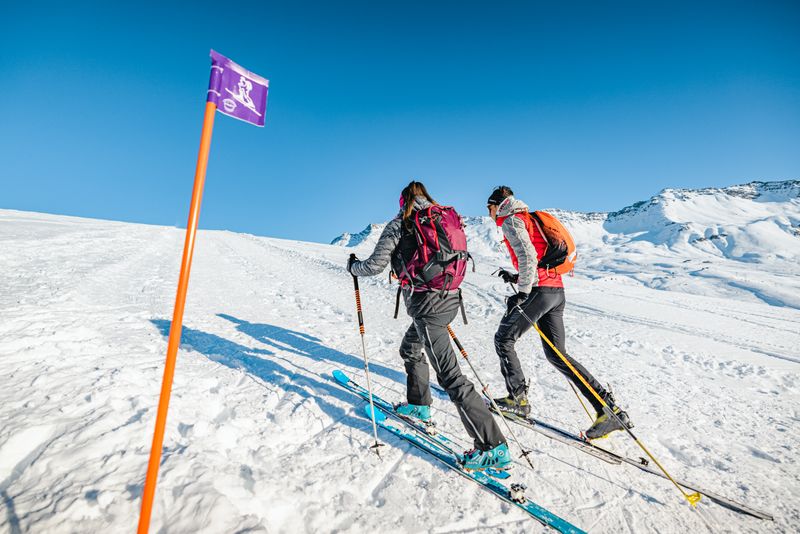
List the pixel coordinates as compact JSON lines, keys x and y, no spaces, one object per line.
{"x":586,"y":106}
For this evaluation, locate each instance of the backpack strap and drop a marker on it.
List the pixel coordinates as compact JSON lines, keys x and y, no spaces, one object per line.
{"x":461,"y":305}
{"x":538,"y":222}
{"x":407,"y":279}
{"x":397,"y":301}
{"x":420,"y":242}
{"x":433,"y":226}
{"x":448,"y":279}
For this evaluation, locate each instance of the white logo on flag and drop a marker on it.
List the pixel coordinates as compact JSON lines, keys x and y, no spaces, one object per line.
{"x":243,"y":96}
{"x":229,"y":105}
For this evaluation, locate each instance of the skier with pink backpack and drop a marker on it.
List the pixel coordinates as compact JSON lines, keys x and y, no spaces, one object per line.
{"x":427,"y":249}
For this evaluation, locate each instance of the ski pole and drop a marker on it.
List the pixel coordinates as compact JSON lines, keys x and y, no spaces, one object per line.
{"x":693,"y":498}
{"x":377,"y":445}
{"x":485,"y":391}
{"x":583,"y":404}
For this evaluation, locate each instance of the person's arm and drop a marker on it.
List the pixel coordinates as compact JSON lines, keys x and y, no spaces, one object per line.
{"x":514,"y":230}
{"x":382,"y":254}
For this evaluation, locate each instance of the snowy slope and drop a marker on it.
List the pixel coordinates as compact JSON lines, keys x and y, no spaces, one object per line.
{"x":259,"y":439}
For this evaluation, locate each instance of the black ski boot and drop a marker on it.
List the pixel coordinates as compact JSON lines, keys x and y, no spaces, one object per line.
{"x":514,"y":405}
{"x":605,"y":424}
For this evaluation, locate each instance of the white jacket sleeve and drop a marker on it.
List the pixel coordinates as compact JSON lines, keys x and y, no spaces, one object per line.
{"x":514,"y":230}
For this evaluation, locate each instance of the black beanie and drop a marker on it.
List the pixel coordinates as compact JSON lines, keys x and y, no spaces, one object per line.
{"x":499,"y":195}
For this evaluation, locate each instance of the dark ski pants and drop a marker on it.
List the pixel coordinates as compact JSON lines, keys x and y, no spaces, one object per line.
{"x":544,"y":306}
{"x":431,"y":314}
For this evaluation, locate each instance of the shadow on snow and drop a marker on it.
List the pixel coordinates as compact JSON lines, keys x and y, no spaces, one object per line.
{"x":309,"y":346}
{"x":264,"y":365}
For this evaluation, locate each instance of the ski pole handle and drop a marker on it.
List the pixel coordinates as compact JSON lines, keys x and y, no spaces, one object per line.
{"x":358,"y":299}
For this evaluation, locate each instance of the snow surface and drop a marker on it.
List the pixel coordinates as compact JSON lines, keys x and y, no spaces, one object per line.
{"x":260,"y":439}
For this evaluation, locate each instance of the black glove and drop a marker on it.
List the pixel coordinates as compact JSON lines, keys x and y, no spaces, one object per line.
{"x":508,"y":277}
{"x":350,"y":261}
{"x":517,"y":299}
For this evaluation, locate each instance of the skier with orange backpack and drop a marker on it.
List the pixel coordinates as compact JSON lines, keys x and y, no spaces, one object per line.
{"x":540,"y":299}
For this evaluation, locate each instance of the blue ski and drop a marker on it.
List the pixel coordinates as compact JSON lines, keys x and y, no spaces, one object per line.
{"x":513,"y":494}
{"x":438,"y":439}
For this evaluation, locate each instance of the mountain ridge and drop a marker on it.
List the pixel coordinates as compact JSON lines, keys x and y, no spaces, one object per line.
{"x":753,"y":190}
{"x":742,"y":240}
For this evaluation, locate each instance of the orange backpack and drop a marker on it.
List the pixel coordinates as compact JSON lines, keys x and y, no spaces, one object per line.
{"x":560,"y":255}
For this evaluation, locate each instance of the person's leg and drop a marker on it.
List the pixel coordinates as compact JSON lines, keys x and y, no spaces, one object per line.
{"x":552,"y":326}
{"x":431,"y":326}
{"x":511,"y":328}
{"x":418,"y":389}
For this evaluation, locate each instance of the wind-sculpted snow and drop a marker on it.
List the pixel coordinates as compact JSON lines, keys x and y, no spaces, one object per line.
{"x":260,"y":439}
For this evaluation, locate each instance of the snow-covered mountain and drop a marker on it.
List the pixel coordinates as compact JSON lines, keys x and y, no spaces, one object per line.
{"x":742,"y":241}
{"x":260,"y":439}
{"x":368,"y":235}
{"x":756,"y":222}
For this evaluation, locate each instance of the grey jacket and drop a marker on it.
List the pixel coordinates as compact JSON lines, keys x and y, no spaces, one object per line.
{"x":387,"y":242}
{"x":514,"y":230}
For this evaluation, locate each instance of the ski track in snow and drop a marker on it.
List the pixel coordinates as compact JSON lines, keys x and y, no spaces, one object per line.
{"x":260,"y":438}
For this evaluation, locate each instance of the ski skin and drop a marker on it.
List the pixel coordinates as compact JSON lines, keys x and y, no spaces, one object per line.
{"x":614,"y":458}
{"x":439,"y":440}
{"x":544,"y":516}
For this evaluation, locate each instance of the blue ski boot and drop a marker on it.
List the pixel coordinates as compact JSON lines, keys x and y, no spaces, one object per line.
{"x":414,"y":411}
{"x":498,"y":458}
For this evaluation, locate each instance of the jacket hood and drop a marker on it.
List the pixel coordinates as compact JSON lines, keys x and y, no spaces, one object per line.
{"x":420,"y":203}
{"x":510,"y":206}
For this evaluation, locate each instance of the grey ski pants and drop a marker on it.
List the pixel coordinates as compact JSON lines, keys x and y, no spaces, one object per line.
{"x":431,"y":314}
{"x":544,"y":306}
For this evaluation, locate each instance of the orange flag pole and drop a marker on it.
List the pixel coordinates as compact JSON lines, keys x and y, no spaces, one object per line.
{"x":177,"y":321}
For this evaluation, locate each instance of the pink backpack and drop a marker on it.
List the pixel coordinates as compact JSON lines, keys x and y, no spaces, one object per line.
{"x":440,"y":261}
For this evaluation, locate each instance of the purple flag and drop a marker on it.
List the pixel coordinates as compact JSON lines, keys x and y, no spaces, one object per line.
{"x":237,"y":92}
